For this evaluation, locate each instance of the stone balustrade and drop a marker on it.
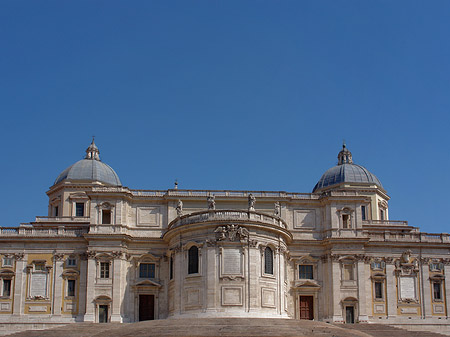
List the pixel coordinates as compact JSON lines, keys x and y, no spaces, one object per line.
{"x":409,"y":237}
{"x":59,"y":219}
{"x":227,"y":216}
{"x":23,"y":231}
{"x":385,"y":222}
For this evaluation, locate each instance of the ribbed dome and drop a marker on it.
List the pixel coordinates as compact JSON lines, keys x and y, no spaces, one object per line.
{"x":346,"y":172}
{"x":90,"y":169}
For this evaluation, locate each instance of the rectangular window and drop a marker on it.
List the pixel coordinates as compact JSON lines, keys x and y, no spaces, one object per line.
{"x":348,"y":272}
{"x":381,"y":214}
{"x":104,"y":269}
{"x":437,"y":294}
{"x":79,"y":209}
{"x":305,"y":272}
{"x":147,"y":270}
{"x":7,"y":262}
{"x":56,"y":213}
{"x":71,"y":288}
{"x":6,"y":288}
{"x":436,"y":267}
{"x":363,"y":212}
{"x":71,"y":262}
{"x":171,"y":268}
{"x":106,"y":217}
{"x":379,"y":290}
{"x":39,"y":266}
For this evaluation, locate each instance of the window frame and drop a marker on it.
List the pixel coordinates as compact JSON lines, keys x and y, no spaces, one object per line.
{"x":7,"y":258}
{"x":269,"y":261}
{"x":82,"y":206}
{"x":105,"y":273}
{"x":440,"y":290}
{"x":300,"y":266}
{"x":68,"y":282}
{"x":380,"y":283}
{"x":7,"y":280}
{"x":193,"y":265}
{"x":68,"y":262}
{"x":150,"y":270}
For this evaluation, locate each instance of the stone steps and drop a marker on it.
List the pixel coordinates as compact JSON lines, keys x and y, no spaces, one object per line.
{"x":382,"y":330}
{"x":198,"y":327}
{"x":224,"y":327}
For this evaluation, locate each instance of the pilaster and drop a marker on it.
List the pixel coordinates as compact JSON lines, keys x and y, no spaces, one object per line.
{"x":58,"y":282}
{"x":391,"y":290}
{"x":20,"y":287}
{"x":362,"y":293}
{"x":116,"y":291}
{"x":90,"y":293}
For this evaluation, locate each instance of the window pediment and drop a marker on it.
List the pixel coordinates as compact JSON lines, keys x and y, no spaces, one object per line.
{"x":70,"y":273}
{"x":437,"y":277}
{"x":147,"y":283}
{"x":301,"y":284}
{"x":6,"y":273}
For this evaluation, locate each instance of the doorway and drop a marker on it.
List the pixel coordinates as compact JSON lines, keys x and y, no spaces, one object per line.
{"x":350,"y":314}
{"x":146,"y":307}
{"x":307,"y":307}
{"x":103,"y":313}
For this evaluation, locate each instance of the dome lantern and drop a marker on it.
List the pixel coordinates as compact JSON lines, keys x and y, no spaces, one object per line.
{"x":92,"y":151}
{"x":90,"y":169}
{"x":346,"y":171}
{"x":345,"y":156}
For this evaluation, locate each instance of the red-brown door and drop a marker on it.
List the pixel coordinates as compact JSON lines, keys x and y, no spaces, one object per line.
{"x":306,"y":307}
{"x":146,"y":307}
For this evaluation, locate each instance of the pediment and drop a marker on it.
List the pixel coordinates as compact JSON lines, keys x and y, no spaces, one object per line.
{"x":306,"y":284}
{"x":6,"y":273}
{"x":147,"y":283}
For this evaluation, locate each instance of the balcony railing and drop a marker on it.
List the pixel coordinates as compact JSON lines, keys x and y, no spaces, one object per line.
{"x":41,"y":232}
{"x":227,"y":216}
{"x":385,"y":222}
{"x":62,"y":219}
{"x":409,"y":237}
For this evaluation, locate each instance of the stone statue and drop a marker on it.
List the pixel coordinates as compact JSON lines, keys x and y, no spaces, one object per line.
{"x":277,"y":211}
{"x":211,"y":202}
{"x":251,"y":202}
{"x":221,"y":233}
{"x":179,"y":208}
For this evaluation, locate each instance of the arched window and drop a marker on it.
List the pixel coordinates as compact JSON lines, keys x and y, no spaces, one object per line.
{"x":193,"y":260}
{"x":268,"y":261}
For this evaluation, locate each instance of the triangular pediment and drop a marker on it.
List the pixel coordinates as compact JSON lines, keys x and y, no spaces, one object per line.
{"x":148,"y":283}
{"x":306,"y":284}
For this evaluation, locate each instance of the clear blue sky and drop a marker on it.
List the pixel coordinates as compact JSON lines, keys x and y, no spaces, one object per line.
{"x":227,"y":95}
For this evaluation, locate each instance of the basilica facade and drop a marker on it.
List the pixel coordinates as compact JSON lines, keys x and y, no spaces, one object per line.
{"x":108,"y":253}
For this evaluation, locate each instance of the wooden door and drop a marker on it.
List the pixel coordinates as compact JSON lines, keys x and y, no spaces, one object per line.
{"x":103,"y":314}
{"x":146,"y":307}
{"x":307,"y":307}
{"x":350,"y":315}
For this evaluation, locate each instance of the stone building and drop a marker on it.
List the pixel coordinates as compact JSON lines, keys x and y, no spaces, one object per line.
{"x":109,"y":253}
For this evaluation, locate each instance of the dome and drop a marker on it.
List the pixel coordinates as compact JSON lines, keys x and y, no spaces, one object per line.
{"x":346,"y":172}
{"x":90,"y":169}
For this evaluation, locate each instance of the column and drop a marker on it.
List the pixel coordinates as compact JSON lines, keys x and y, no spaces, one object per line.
{"x":446,"y":286}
